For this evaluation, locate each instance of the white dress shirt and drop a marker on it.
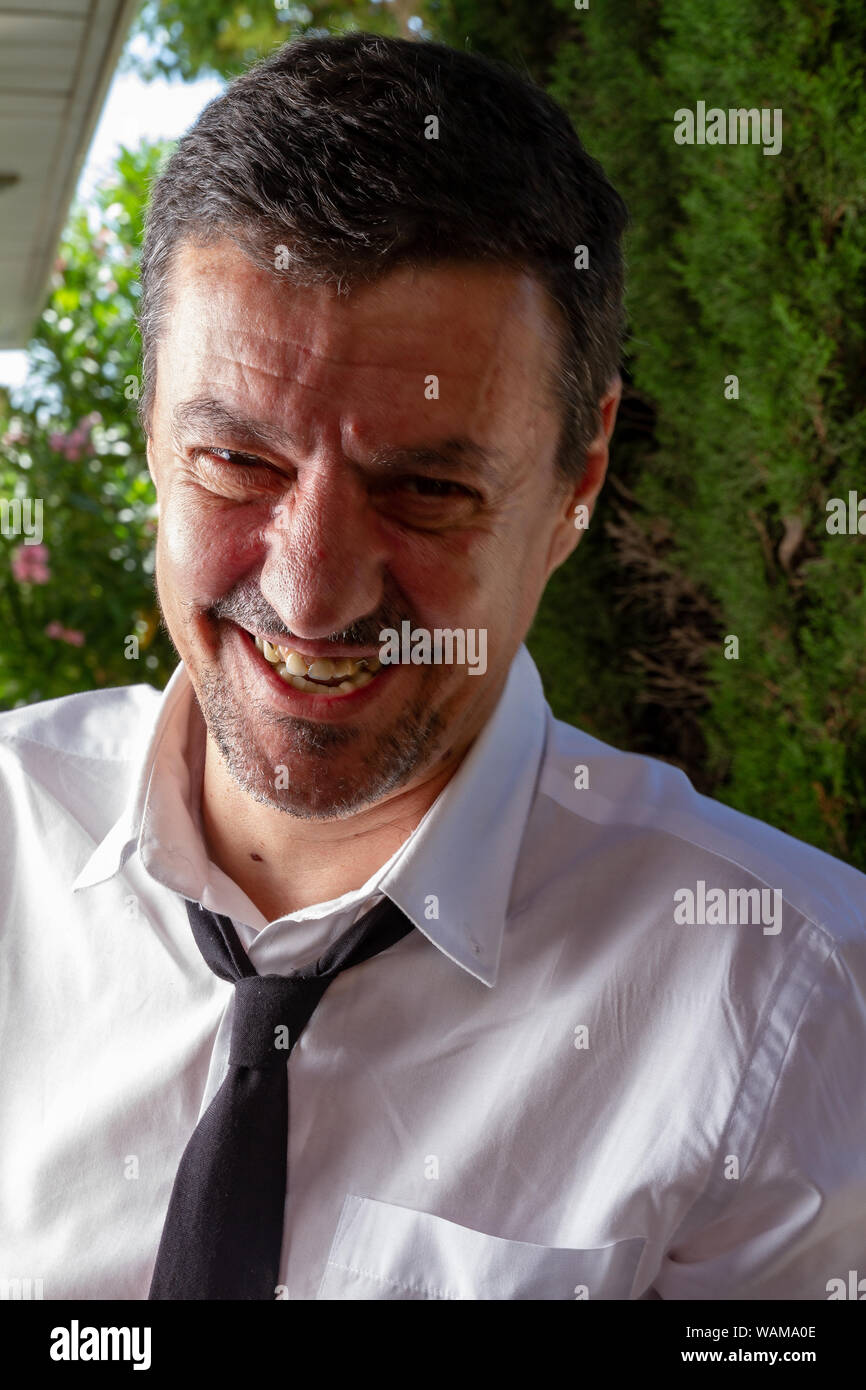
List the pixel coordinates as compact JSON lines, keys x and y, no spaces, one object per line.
{"x":554,"y":1088}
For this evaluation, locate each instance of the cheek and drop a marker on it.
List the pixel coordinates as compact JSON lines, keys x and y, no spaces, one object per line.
{"x":465,"y":581}
{"x":205,"y":549}
{"x":441,"y":577}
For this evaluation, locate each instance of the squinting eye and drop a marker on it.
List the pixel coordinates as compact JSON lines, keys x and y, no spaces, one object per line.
{"x":435,"y":487}
{"x":229,"y":456}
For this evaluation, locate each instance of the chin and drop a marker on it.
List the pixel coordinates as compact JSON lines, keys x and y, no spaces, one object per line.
{"x":330,"y":771}
{"x":311,"y":793}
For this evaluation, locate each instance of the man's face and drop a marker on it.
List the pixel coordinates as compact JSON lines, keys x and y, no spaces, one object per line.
{"x":365,"y":494}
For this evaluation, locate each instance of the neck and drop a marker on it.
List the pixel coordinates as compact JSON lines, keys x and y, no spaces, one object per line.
{"x":284,"y":864}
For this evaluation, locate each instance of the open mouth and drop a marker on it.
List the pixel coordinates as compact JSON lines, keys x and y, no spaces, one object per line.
{"x":320,"y":674}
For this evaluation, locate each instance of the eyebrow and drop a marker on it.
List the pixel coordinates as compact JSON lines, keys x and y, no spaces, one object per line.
{"x":206,"y":414}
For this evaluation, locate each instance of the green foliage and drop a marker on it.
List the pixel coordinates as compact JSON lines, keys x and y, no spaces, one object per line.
{"x":751,"y":265}
{"x":94,"y":587}
{"x":527,"y":34}
{"x":190,"y":38}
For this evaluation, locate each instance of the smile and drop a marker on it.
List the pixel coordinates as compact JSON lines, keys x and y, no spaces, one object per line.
{"x":317,"y":676}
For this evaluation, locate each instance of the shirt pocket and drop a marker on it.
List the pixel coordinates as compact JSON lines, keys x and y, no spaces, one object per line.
{"x":382,"y":1251}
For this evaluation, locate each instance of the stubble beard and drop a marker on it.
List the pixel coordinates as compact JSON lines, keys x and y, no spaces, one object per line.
{"x":310,"y":757}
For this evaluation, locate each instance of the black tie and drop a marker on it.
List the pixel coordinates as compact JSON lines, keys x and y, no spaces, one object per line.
{"x":224,"y":1228}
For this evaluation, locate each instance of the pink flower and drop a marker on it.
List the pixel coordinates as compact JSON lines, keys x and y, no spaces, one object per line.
{"x":74,"y":444}
{"x":30,"y":564}
{"x":65,"y":634}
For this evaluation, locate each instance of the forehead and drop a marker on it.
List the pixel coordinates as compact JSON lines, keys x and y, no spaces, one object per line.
{"x":488,"y":334}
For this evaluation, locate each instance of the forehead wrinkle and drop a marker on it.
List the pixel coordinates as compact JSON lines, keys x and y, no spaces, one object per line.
{"x":493,"y":351}
{"x":282,"y":375}
{"x":362,"y":362}
{"x":279,"y":376}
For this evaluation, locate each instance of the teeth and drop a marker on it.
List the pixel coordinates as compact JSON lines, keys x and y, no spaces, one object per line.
{"x":306,"y":675}
{"x":295,"y":664}
{"x":322,"y":670}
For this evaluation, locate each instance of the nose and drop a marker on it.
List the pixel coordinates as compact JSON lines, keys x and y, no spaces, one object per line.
{"x":325,"y":558}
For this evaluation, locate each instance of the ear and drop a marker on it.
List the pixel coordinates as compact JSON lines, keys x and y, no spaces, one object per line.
{"x":150,"y":463}
{"x":578,"y":504}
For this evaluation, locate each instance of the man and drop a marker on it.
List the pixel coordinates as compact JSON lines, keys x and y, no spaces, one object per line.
{"x":606,"y":1040}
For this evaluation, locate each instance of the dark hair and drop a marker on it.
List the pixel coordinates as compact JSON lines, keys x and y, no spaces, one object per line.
{"x":321,"y":148}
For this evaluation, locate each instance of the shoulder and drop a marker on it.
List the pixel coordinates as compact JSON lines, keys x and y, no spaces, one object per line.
{"x":76,"y":754}
{"x":602,"y":798}
{"x":67,"y":768}
{"x":96,"y":725}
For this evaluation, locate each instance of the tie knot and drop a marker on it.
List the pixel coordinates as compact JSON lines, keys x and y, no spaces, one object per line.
{"x":269,"y":1015}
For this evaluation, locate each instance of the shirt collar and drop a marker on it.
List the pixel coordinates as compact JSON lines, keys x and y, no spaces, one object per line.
{"x":112,"y":852}
{"x":452,"y":876}
{"x":461,"y":859}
